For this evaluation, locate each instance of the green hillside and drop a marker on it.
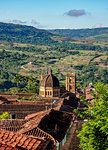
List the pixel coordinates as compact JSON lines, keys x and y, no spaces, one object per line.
{"x":90,"y":66}
{"x":28,"y":51}
{"x":80,"y":33}
{"x":25,"y":34}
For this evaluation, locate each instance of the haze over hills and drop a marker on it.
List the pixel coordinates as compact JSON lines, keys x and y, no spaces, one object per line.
{"x":80,"y":33}
{"x":30,"y":35}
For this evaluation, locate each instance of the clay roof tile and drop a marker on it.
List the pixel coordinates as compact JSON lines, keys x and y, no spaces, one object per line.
{"x":15,"y":141}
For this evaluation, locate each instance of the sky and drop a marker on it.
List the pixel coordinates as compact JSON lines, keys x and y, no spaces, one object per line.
{"x":55,"y":14}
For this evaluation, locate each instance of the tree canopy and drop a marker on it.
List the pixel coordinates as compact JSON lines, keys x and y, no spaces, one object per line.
{"x":27,"y":84}
{"x":5,"y":115}
{"x":94,"y":133}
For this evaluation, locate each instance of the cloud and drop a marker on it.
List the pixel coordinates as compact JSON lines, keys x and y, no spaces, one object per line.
{"x":34,"y":22}
{"x":31,"y":23}
{"x":15,"y":21}
{"x":98,"y":25}
{"x":7,"y":21}
{"x":76,"y":13}
{"x":62,"y":28}
{"x":19,"y":22}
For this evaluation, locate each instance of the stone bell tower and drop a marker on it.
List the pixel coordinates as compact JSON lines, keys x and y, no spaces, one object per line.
{"x":71,"y":83}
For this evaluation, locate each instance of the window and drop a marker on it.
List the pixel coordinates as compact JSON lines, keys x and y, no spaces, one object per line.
{"x":70,"y":87}
{"x":12,"y":116}
{"x":70,"y":80}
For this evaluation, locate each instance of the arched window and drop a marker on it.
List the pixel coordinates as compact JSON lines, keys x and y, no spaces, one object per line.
{"x":70,"y":80}
{"x":70,"y":87}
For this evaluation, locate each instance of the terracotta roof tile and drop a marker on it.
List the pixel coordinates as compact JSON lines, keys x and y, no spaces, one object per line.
{"x":33,"y":141}
{"x":31,"y":144}
{"x":27,"y":141}
{"x":22,"y":140}
{"x":33,"y":123}
{"x":14,"y":141}
{"x":6,"y":147}
{"x":36,"y":144}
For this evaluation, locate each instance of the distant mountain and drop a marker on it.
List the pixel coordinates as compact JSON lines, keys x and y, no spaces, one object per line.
{"x":25,"y":34}
{"x":80,"y":33}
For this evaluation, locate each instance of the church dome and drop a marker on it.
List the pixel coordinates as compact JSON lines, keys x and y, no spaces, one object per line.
{"x":49,"y":80}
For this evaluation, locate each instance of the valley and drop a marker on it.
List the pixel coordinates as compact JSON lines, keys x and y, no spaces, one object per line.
{"x":87,"y":56}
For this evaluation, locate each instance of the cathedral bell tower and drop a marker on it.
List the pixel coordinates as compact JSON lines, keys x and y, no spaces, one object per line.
{"x":71,"y":83}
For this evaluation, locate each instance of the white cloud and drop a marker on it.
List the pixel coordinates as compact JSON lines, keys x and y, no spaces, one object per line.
{"x":97,"y":25}
{"x":15,"y":21}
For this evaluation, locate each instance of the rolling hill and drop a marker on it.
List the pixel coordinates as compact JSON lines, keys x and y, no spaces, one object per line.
{"x":25,"y":34}
{"x":28,"y":51}
{"x":80,"y":33}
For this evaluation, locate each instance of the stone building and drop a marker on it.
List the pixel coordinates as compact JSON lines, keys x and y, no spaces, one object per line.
{"x":71,"y":83}
{"x":49,"y":85}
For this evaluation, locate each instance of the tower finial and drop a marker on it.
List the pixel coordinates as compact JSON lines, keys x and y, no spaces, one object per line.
{"x":50,"y":71}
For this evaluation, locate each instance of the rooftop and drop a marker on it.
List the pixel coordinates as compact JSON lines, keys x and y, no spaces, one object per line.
{"x":15,"y":141}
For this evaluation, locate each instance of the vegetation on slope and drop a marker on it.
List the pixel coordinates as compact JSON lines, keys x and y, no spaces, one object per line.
{"x":94,"y":133}
{"x":25,"y":34}
{"x":88,"y":60}
{"x":90,"y":66}
{"x":80,"y":33}
{"x":10,"y":64}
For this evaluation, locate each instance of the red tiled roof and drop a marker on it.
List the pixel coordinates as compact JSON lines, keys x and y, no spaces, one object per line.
{"x":89,"y":96}
{"x":33,"y":123}
{"x":6,"y":147}
{"x":38,"y":115}
{"x":3,"y":100}
{"x":14,"y":141}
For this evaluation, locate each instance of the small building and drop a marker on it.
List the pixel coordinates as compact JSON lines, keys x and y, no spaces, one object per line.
{"x":49,"y":85}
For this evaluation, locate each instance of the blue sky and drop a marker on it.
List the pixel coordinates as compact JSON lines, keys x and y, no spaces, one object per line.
{"x":54,"y":14}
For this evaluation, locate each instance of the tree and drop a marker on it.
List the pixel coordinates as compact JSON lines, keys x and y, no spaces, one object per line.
{"x":5,"y":115}
{"x":30,"y":84}
{"x":14,"y":90}
{"x":94,"y":133}
{"x":18,"y":78}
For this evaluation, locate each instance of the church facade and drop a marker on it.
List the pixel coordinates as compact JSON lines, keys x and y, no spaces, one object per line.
{"x":49,"y":85}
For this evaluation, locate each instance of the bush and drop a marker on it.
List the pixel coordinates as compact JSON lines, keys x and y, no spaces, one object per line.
{"x":5,"y":115}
